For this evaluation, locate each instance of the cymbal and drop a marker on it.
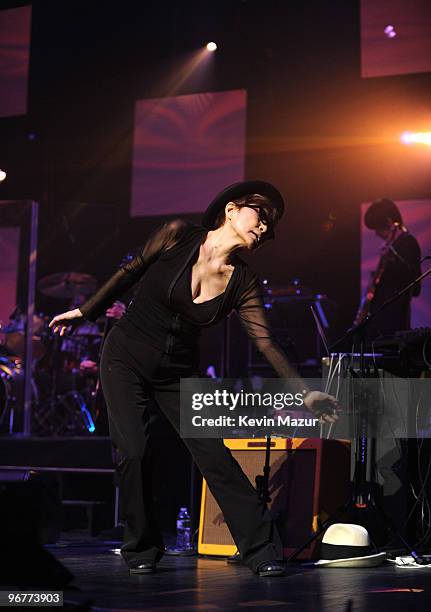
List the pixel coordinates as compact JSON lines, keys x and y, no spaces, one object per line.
{"x":67,"y":284}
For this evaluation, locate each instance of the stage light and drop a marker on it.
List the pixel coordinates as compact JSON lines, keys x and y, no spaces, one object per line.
{"x":406,"y":138}
{"x":390,"y":31}
{"x":211,"y":46}
{"x":409,"y":138}
{"x":2,"y":175}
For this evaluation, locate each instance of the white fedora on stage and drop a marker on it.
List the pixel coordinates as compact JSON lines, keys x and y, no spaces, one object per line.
{"x":347,"y":545}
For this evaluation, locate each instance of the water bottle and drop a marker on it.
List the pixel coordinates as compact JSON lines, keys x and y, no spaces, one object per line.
{"x":184,"y":530}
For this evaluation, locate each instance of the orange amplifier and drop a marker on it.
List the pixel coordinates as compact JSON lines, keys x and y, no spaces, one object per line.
{"x":309,"y":480}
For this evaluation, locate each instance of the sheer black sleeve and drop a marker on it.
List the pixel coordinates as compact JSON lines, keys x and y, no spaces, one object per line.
{"x":251,"y":311}
{"x":129,"y":274}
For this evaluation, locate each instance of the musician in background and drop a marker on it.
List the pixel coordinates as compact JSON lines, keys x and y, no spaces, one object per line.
{"x":399,"y":264}
{"x":89,"y":364}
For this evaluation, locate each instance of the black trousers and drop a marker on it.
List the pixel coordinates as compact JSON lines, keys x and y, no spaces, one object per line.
{"x":132,"y":373}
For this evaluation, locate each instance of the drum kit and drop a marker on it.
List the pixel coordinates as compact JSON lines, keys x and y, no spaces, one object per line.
{"x":66,"y":396}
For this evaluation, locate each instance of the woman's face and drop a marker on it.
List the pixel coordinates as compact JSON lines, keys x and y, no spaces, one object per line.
{"x":250,"y":224}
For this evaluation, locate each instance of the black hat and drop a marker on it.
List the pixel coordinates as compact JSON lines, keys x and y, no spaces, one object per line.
{"x":239,"y":190}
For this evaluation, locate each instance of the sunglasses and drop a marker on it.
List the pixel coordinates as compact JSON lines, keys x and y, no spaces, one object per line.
{"x":263,"y":217}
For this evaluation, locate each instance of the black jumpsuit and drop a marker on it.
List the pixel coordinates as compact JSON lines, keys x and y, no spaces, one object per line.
{"x":144,"y":357}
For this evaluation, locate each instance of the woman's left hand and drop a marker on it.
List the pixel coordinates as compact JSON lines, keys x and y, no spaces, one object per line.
{"x":62,"y":322}
{"x":323,"y":406}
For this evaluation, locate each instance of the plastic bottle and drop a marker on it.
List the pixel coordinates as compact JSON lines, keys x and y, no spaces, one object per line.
{"x":184,"y":530}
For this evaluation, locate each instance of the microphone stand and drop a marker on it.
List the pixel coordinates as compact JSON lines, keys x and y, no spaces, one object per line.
{"x":362,"y":497}
{"x":262,"y":480}
{"x":107,"y":324}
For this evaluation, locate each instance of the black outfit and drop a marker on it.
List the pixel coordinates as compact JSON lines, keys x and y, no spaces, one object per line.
{"x":402,"y":267}
{"x":145,"y":355}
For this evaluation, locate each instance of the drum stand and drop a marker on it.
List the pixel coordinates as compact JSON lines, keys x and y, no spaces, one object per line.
{"x":8,"y":408}
{"x":12,"y":377}
{"x":64,"y":412}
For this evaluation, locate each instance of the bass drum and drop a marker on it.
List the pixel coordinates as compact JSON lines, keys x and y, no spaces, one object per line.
{"x":14,"y":336}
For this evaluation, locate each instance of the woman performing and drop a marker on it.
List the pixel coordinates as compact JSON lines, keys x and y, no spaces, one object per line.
{"x":189,"y":277}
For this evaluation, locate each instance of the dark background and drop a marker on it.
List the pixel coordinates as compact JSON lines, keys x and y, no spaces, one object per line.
{"x":327,"y":138}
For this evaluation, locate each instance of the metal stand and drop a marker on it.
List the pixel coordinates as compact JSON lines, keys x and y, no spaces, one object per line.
{"x":28,"y":363}
{"x":362,"y":500}
{"x":262,"y":481}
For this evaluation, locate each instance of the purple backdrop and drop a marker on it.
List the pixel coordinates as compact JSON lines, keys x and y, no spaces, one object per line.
{"x":186,"y":149}
{"x":14,"y":59}
{"x":417,"y":217}
{"x":9,"y":252}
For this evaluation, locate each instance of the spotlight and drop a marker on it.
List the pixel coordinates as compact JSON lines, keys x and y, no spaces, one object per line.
{"x":406,"y":138}
{"x":211,"y":46}
{"x":2,"y":175}
{"x":390,"y":31}
{"x":416,"y":138}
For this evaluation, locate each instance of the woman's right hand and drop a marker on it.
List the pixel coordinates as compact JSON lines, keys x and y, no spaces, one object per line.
{"x":323,"y":406}
{"x":62,"y":322}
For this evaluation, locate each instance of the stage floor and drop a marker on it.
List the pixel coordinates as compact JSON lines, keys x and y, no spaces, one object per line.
{"x":192,"y":583}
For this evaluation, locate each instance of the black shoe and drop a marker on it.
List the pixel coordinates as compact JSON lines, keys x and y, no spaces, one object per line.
{"x":142,"y":567}
{"x":234,"y":559}
{"x":270,"y":568}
